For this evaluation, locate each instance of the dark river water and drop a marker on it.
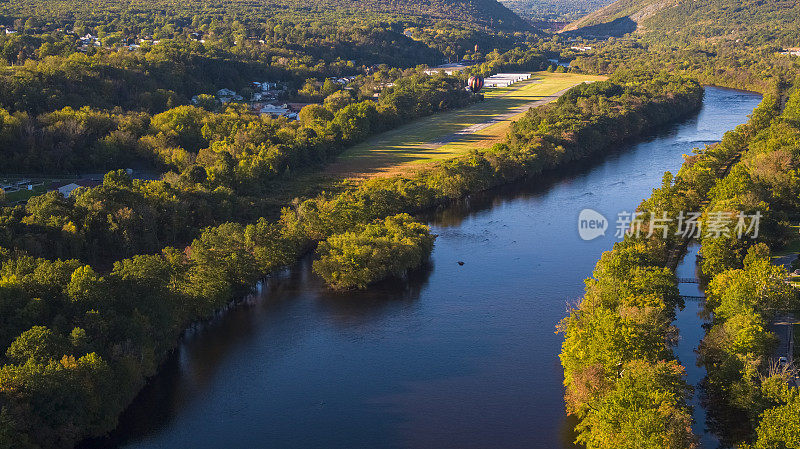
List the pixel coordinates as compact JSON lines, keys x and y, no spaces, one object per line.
{"x":457,"y":356}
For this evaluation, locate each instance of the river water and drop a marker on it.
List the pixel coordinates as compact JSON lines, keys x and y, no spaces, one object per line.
{"x":456,"y":356}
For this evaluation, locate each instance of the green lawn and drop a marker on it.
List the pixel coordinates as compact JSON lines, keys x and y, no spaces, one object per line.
{"x":405,"y":148}
{"x":25,"y":194}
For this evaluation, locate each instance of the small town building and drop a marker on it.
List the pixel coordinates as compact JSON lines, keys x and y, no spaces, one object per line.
{"x":66,"y":188}
{"x":274,"y":110}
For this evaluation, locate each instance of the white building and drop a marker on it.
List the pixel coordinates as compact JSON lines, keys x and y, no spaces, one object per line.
{"x":274,"y":110}
{"x":505,"y":79}
{"x":264,"y":86}
{"x":66,"y":190}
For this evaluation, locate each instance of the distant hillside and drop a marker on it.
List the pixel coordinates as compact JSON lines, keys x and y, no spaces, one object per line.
{"x":483,"y":13}
{"x":554,"y":10}
{"x":715,"y":20}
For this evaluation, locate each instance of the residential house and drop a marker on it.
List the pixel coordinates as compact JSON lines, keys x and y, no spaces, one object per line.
{"x":274,"y":110}
{"x":227,"y":95}
{"x":66,"y":188}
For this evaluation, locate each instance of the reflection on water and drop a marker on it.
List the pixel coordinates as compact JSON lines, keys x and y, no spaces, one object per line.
{"x":454,"y":356}
{"x":690,"y":322}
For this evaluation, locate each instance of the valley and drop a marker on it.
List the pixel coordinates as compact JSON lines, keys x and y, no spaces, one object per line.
{"x":399,"y":224}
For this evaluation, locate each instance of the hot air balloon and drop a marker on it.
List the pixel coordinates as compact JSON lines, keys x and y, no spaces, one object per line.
{"x":475,"y":83}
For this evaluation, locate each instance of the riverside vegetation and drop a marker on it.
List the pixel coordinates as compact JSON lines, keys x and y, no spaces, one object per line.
{"x":751,"y":396}
{"x":617,"y":353}
{"x":84,"y":339}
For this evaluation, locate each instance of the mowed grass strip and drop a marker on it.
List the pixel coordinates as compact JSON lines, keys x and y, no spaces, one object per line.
{"x":431,"y":138}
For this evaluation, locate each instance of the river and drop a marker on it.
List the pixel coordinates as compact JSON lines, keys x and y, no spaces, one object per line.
{"x":458,"y":355}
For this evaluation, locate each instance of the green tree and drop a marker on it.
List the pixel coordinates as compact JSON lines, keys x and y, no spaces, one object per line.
{"x":38,"y":345}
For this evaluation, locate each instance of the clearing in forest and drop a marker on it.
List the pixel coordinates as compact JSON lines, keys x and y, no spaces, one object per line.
{"x":448,"y":134}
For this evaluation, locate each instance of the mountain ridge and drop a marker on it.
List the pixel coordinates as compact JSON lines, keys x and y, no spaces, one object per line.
{"x":767,"y":21}
{"x":481,"y":13}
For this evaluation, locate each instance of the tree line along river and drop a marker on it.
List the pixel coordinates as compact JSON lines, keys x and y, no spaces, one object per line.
{"x":455,"y":356}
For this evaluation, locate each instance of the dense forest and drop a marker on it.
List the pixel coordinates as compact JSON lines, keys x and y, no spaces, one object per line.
{"x":149,"y":14}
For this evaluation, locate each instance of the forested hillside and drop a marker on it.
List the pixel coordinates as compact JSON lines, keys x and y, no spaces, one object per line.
{"x":486,"y":13}
{"x":753,"y":21}
{"x":555,"y":10}
{"x":79,"y":84}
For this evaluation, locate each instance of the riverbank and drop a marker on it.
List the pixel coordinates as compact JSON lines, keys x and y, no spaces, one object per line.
{"x":168,"y":291}
{"x":426,"y":361}
{"x":618,"y":351}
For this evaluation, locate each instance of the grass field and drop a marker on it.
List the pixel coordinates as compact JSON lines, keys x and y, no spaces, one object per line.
{"x":40,"y":187}
{"x":445,"y":135}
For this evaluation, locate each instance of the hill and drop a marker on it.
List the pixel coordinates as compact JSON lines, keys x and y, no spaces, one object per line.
{"x":481,"y":13}
{"x":754,"y":21}
{"x":554,"y":10}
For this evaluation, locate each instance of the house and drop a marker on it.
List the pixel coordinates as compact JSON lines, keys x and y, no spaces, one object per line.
{"x":274,"y":110}
{"x":66,"y":188}
{"x":343,"y":80}
{"x":10,"y":31}
{"x":227,"y":95}
{"x":264,"y":86}
{"x":581,"y":48}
